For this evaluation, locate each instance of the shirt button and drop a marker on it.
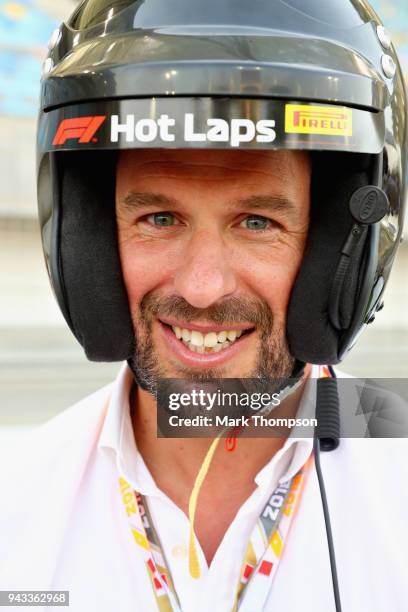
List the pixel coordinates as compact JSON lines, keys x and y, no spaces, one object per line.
{"x":179,"y":551}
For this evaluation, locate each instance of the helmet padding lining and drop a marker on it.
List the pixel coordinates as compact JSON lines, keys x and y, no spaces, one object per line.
{"x":90,"y":264}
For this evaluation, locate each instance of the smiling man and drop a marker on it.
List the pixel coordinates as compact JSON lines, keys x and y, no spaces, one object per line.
{"x":199,"y":233}
{"x":221,"y":190}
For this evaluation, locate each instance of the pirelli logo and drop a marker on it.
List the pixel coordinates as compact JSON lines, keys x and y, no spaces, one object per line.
{"x":307,"y":119}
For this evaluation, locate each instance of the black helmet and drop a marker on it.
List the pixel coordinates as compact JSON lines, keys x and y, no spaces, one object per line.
{"x":269,"y":74}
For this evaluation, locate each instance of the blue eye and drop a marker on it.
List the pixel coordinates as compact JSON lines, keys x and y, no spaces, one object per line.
{"x":255,"y":223}
{"x":164,"y":219}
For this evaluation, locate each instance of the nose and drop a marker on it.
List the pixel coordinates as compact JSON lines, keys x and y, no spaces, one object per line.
{"x":205,"y":275}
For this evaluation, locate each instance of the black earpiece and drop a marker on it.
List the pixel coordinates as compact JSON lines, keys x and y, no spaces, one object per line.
{"x":368,"y":205}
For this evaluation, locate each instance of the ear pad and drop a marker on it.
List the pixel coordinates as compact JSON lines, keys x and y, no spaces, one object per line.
{"x":89,"y":262}
{"x":312,"y":337}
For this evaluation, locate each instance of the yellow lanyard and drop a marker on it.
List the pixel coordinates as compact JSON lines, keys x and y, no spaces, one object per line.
{"x":262,"y":556}
{"x":263,"y":552}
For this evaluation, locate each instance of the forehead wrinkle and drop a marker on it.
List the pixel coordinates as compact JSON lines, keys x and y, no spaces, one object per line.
{"x":190,"y":179}
{"x":179,"y":168}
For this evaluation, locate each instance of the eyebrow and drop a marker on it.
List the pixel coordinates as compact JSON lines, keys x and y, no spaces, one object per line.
{"x":134,"y":200}
{"x":273,"y":203}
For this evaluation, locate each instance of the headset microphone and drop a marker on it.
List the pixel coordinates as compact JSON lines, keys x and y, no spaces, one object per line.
{"x":368,"y":205}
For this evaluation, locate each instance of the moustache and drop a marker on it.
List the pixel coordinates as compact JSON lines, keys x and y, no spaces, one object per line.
{"x":229,"y":311}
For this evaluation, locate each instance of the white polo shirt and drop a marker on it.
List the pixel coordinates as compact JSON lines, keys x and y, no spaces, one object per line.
{"x":63,"y":525}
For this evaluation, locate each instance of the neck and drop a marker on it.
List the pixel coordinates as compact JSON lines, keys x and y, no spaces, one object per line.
{"x":175,"y":462}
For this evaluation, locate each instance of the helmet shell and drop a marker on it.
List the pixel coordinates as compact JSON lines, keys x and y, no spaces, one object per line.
{"x":316,"y":71}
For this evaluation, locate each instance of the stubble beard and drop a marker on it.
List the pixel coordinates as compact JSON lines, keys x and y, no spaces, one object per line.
{"x":274,"y":360}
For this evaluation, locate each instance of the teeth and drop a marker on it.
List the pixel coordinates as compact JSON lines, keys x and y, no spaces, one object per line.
{"x":210,"y":340}
{"x":222,"y":336}
{"x":186,"y":335}
{"x":197,"y":338}
{"x":213,"y":342}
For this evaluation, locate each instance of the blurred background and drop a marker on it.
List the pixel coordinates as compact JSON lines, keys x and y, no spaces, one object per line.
{"x":42,"y":368}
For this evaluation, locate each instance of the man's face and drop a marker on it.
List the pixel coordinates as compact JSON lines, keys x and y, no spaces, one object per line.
{"x":210,"y":244}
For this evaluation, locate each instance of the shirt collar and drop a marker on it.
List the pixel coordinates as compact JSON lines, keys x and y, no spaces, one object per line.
{"x":117,"y":435}
{"x":296,"y":450}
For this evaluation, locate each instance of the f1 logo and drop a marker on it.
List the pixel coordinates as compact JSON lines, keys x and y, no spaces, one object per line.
{"x":82,"y":129}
